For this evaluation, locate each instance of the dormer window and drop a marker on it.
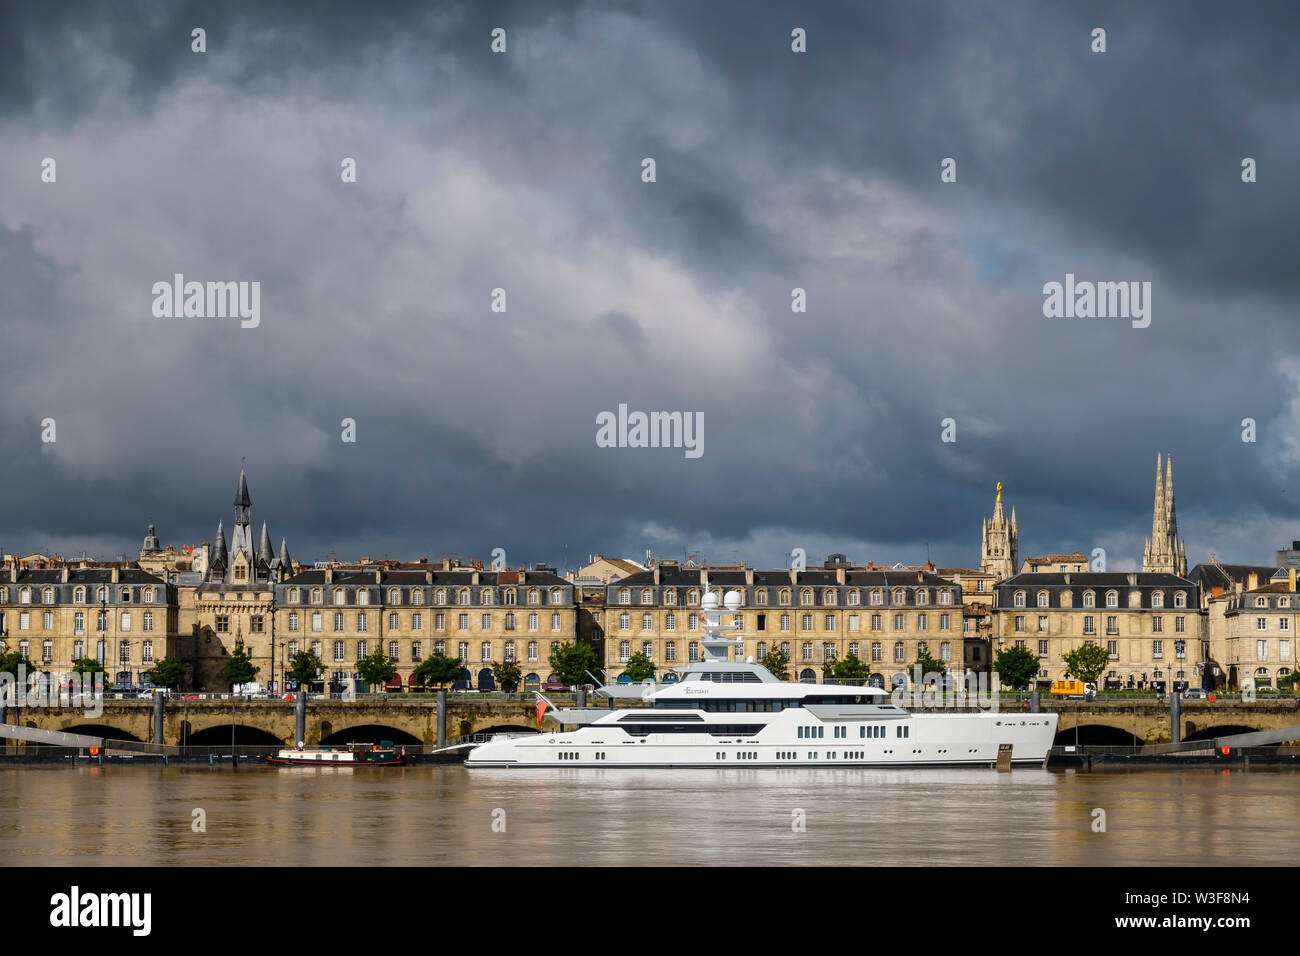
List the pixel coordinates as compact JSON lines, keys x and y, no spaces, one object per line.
{"x":1180,"y":599}
{"x":394,"y":595}
{"x":1019,"y":600}
{"x":760,"y":597}
{"x":1043,"y":599}
{"x":340,"y":596}
{"x":124,"y":596}
{"x":877,"y":596}
{"x":557,"y":595}
{"x":1261,"y":602}
{"x":317,"y":596}
{"x":828,"y":596}
{"x":486,"y":596}
{"x":511,"y":596}
{"x":647,"y":596}
{"x":534,"y":596}
{"x":670,"y":595}
{"x":805,"y":596}
{"x":922,"y":596}
{"x":440,"y":596}
{"x":79,"y":595}
{"x":417,"y":595}
{"x":47,"y":596}
{"x":295,"y":596}
{"x":692,"y":597}
{"x":784,"y":597}
{"x":855,"y":597}
{"x":900,"y":596}
{"x":363,"y":595}
{"x":1112,"y":599}
{"x":25,"y":596}
{"x":624,"y":596}
{"x":1157,"y":598}
{"x":945,"y":596}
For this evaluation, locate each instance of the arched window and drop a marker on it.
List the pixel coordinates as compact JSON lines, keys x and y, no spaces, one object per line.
{"x":79,"y":595}
{"x":760,"y":597}
{"x":647,"y":596}
{"x":785,"y":596}
{"x":440,"y":596}
{"x":485,"y":596}
{"x":855,"y":597}
{"x":945,"y":596}
{"x":340,"y":596}
{"x":511,"y":596}
{"x":1089,"y":599}
{"x":394,"y":595}
{"x":25,"y":595}
{"x":900,"y":596}
{"x":805,"y":596}
{"x":670,"y":595}
{"x":693,"y":597}
{"x":922,"y":596}
{"x":877,"y":596}
{"x":557,"y":595}
{"x":624,"y":596}
{"x":462,"y":596}
{"x":1019,"y":600}
{"x":316,"y":596}
{"x":828,"y":596}
{"x":1112,"y":599}
{"x":1043,"y":598}
{"x":47,"y":596}
{"x":417,"y":595}
{"x":148,"y":595}
{"x":534,"y":596}
{"x":1180,"y":599}
{"x":1157,"y":598}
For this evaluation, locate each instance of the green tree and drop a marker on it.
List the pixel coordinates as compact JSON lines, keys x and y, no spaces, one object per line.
{"x":928,"y":664}
{"x":777,"y":662}
{"x":438,"y":669}
{"x":10,"y":662}
{"x":375,"y":668}
{"x":87,"y":665}
{"x":508,"y":675}
{"x":1087,"y":662}
{"x":1016,"y":666}
{"x":847,"y":670}
{"x":571,"y":662}
{"x":304,"y":666}
{"x":240,"y":669}
{"x":639,"y":668}
{"x":169,"y":672}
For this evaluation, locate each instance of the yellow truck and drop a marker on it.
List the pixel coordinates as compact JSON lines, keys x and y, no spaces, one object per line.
{"x":1073,"y":688}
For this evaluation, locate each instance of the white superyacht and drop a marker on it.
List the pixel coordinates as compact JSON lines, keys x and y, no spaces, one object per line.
{"x":725,"y":713}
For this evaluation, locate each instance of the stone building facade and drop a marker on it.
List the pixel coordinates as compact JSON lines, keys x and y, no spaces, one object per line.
{"x":1149,"y":623}
{"x":885,"y":616}
{"x":121,"y":616}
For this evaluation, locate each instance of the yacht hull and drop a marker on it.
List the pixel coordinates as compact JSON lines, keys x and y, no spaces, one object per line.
{"x":916,"y":740}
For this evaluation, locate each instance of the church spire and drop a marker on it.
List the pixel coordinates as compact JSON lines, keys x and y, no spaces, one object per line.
{"x":1164,"y":550}
{"x":264,"y":555}
{"x":999,"y":544}
{"x":242,"y":502}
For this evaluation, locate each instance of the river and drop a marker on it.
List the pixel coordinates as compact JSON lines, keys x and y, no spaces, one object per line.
{"x":146,"y":815}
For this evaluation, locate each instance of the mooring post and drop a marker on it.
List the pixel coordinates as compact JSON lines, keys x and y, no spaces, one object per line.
{"x":1035,"y":703}
{"x":442,"y":717}
{"x":582,"y":697}
{"x":157,"y":718}
{"x":300,"y":717}
{"x":1175,"y":715}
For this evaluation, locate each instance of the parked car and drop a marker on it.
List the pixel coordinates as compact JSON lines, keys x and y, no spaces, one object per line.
{"x":1194,"y":693}
{"x":124,"y":689}
{"x":554,"y":686}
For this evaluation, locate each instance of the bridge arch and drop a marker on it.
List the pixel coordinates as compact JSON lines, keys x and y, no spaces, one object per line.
{"x":219,"y":734}
{"x":1097,"y":735}
{"x":1219,"y":730}
{"x":369,"y":734}
{"x":99,"y":730}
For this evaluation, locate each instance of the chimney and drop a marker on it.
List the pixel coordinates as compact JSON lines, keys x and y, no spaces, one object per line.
{"x":1067,"y":577}
{"x":64,"y":577}
{"x":329,"y":573}
{"x":379,"y":576}
{"x":1290,"y":575}
{"x":116,"y":575}
{"x":428,"y":577}
{"x":839,"y":574}
{"x":749,"y":577}
{"x":656,"y":574}
{"x":1252,"y":581}
{"x":474,"y":577}
{"x":1132,"y":579}
{"x":794,"y":576}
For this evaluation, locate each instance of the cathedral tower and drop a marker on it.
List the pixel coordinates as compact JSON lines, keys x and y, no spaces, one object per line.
{"x":1001,"y":541}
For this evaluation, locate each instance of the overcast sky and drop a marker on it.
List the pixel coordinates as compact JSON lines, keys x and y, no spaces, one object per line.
{"x":775,"y":170}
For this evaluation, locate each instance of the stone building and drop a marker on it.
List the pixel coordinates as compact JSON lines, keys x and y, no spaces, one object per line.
{"x":885,"y":616}
{"x":411,"y":610}
{"x":1000,"y":542}
{"x":1149,"y":623}
{"x":228,"y":600}
{"x":1218,"y":585}
{"x":121,"y":616}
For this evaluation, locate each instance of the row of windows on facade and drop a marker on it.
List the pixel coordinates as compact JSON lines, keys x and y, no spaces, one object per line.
{"x":362,"y":649}
{"x":124,"y":621}
{"x":316,"y":621}
{"x":415,"y":596}
{"x":1112,"y":649}
{"x":1112,"y":624}
{"x":101,"y":651}
{"x":1043,"y":599}
{"x":50,"y":595}
{"x":807,"y":596}
{"x":806,"y":650}
{"x":829,"y":622}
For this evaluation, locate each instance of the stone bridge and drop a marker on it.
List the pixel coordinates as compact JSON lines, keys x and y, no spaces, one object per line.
{"x":409,"y":721}
{"x":217,"y":722}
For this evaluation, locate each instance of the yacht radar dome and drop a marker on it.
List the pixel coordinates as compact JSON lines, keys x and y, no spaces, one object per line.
{"x":733,"y":600}
{"x":710,"y":601}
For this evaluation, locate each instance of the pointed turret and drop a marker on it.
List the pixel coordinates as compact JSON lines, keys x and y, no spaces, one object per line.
{"x":220,"y":556}
{"x":264,"y":554}
{"x":286,"y":562}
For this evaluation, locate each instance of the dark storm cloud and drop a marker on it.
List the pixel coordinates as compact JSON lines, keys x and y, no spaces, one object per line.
{"x":775,"y":170}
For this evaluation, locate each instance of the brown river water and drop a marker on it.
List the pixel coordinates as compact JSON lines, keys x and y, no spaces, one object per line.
{"x":150,"y":815}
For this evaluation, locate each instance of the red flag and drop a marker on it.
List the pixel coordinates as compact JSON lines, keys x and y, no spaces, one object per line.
{"x":541,"y":709}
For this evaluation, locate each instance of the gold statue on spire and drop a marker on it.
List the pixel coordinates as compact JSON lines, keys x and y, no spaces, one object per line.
{"x":999,"y":492}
